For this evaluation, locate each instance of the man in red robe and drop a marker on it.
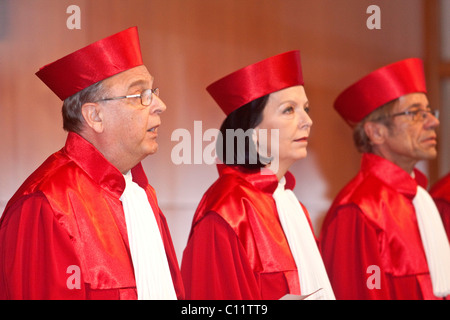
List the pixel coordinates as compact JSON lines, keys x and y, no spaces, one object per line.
{"x":77,"y":228}
{"x":382,"y":237}
{"x":440,"y":192}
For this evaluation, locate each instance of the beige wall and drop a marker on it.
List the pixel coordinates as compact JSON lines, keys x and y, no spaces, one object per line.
{"x":187,"y":44}
{"x":444,"y":152}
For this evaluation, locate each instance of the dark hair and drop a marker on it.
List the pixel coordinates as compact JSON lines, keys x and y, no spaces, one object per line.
{"x":234,"y":144}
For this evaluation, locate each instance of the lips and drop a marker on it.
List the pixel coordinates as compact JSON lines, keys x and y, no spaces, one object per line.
{"x":303,"y":139}
{"x":432,"y":140}
{"x":154,"y":128}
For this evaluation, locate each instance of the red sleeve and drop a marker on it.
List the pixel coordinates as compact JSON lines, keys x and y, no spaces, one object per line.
{"x":215,"y":265}
{"x":349,"y":247}
{"x":444,"y":209}
{"x":37,"y":259}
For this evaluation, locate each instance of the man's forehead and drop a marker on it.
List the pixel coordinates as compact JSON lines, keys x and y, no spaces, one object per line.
{"x":413,"y":100}
{"x":137,"y":76}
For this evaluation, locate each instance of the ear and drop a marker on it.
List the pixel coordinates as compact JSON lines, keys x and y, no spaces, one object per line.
{"x":255,"y":136}
{"x":93,"y":116}
{"x":376,"y":132}
{"x":260,"y":144}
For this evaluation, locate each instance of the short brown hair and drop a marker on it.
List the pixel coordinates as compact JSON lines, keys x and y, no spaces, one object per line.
{"x":71,"y":110}
{"x":381,"y":115}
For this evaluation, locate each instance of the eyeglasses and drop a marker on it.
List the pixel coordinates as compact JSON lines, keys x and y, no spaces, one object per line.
{"x":146,"y":96}
{"x":418,"y":115}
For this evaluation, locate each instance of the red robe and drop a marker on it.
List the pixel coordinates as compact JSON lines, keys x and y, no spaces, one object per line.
{"x":237,"y":248}
{"x":66,"y":223}
{"x":440,"y":192}
{"x":370,"y":239}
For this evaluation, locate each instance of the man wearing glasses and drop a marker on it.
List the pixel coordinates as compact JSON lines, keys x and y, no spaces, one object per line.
{"x":86,"y":224}
{"x":383,"y":237}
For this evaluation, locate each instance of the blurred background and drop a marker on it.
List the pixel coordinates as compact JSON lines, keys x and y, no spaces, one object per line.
{"x":186,"y":45}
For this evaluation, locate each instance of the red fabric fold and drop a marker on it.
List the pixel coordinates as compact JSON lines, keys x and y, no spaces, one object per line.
{"x":372,"y":222}
{"x":440,"y":193}
{"x":67,"y":213}
{"x":237,"y":248}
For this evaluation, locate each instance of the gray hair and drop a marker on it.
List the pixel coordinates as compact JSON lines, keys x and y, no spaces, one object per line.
{"x":71,"y":110}
{"x":381,"y":115}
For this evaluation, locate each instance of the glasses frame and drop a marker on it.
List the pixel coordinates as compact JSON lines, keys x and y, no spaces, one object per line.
{"x":415,"y":113}
{"x":154,"y":91}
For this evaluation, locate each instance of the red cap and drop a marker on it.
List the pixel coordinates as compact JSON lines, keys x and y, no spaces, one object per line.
{"x":96,"y":62}
{"x":380,"y":87}
{"x":257,"y":80}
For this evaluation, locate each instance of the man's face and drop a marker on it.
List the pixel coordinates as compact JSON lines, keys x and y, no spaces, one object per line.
{"x":130,"y":127}
{"x":411,"y":138}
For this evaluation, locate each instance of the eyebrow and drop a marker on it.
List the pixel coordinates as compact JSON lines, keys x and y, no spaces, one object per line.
{"x":306,"y":104}
{"x":417,"y":105}
{"x":140,"y":83}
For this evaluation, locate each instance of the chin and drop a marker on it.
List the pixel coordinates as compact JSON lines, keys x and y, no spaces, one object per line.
{"x":430,"y":156}
{"x":429,"y":153}
{"x":151,"y":149}
{"x":294,"y":158}
{"x":301,"y":155}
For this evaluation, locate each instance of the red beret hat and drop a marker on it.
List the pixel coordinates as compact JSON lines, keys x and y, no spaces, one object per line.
{"x":93,"y":63}
{"x":380,"y":87}
{"x":257,"y":80}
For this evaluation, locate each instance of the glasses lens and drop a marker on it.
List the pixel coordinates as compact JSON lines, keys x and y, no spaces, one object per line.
{"x":146,"y":97}
{"x":420,"y":115}
{"x":424,"y":114}
{"x":435,"y":113}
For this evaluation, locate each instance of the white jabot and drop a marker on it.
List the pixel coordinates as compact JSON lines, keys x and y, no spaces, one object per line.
{"x":311,"y":270}
{"x":435,"y":242}
{"x":151,"y":269}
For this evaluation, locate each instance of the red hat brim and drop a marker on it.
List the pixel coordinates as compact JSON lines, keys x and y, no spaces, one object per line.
{"x":380,"y":87}
{"x":257,"y":80}
{"x":93,"y":63}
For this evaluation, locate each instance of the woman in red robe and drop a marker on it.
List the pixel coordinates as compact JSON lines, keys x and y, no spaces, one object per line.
{"x":250,"y":237}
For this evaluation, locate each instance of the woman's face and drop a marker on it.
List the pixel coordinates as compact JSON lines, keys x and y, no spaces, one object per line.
{"x":284,"y":130}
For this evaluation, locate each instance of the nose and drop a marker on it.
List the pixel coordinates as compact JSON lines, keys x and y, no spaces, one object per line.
{"x":432,"y":121}
{"x":305,"y":120}
{"x":157,"y":106}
